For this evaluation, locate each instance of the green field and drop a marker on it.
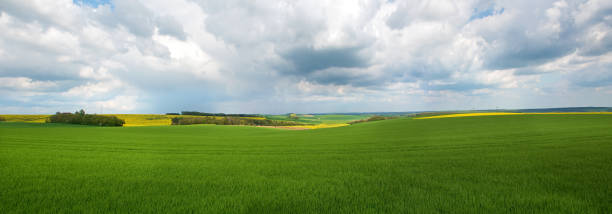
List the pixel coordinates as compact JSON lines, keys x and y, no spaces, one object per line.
{"x":489,"y":164}
{"x":321,"y":119}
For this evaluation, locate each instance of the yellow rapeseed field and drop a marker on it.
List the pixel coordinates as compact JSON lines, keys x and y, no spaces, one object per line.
{"x":145,"y":119}
{"x":148,"y":119}
{"x":503,"y":113}
{"x":254,"y":118}
{"x":130,"y":119}
{"x":28,"y":118}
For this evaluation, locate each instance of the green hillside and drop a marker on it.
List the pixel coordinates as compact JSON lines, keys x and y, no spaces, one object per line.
{"x":491,"y":164}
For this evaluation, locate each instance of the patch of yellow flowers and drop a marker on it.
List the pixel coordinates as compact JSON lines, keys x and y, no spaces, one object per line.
{"x":155,"y":119}
{"x":145,"y":119}
{"x":503,"y":113}
{"x":28,"y":118}
{"x":323,"y":125}
{"x":130,"y":119}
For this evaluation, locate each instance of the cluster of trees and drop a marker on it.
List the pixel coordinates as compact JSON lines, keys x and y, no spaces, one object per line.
{"x":195,"y":113}
{"x":81,"y":118}
{"x":372,"y":118}
{"x":2,"y":119}
{"x":230,"y":121}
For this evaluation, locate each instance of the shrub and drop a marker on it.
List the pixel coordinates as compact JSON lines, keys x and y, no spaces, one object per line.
{"x":81,"y":118}
{"x":2,"y":119}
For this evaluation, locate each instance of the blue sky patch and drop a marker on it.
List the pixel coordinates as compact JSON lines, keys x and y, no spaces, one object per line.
{"x":484,"y":13}
{"x":92,"y":3}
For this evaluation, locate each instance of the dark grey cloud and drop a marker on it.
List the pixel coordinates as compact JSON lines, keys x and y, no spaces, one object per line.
{"x":522,"y":53}
{"x":457,"y":86}
{"x":340,"y":76}
{"x":307,"y":59}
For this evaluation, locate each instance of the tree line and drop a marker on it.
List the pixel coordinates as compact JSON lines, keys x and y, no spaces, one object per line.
{"x":196,"y":113}
{"x":230,"y":121}
{"x":81,"y":118}
{"x":372,"y":118}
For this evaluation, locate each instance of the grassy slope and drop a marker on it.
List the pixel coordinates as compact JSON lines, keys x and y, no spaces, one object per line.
{"x":526,"y":163}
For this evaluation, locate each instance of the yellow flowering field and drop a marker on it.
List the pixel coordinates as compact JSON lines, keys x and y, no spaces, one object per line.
{"x":148,"y":119}
{"x":323,"y":125}
{"x":130,"y":119}
{"x":145,"y":119}
{"x":503,"y":113}
{"x":28,"y":118}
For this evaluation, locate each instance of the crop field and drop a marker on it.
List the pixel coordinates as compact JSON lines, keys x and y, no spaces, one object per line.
{"x":507,"y":163}
{"x":309,"y":121}
{"x":130,"y":119}
{"x":335,"y":119}
{"x":447,"y":115}
{"x":148,"y":119}
{"x":31,"y":118}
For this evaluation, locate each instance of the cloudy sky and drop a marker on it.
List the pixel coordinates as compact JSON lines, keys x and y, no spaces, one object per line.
{"x":266,"y":56}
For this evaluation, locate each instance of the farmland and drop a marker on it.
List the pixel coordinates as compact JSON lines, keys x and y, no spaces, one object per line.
{"x":526,"y":163}
{"x":321,"y":120}
{"x":130,"y":119}
{"x":312,"y":122}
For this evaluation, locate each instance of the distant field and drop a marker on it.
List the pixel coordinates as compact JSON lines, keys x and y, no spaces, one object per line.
{"x":503,"y":113}
{"x":320,"y":119}
{"x":130,"y":119}
{"x":148,"y":119}
{"x":555,"y":163}
{"x":28,"y":118}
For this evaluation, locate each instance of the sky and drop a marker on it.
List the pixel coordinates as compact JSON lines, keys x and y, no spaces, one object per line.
{"x":303,"y":56}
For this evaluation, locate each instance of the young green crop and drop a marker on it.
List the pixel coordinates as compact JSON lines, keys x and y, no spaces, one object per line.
{"x":493,"y":164}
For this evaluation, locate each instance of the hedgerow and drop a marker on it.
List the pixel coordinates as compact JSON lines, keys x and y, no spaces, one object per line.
{"x":230,"y":121}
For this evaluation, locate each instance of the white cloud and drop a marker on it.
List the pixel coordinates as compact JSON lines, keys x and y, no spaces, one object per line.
{"x":94,"y":89}
{"x":160,"y":56}
{"x":25,"y":84}
{"x":119,"y":104}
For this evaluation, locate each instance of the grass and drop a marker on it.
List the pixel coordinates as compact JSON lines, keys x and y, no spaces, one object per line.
{"x":493,"y":164}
